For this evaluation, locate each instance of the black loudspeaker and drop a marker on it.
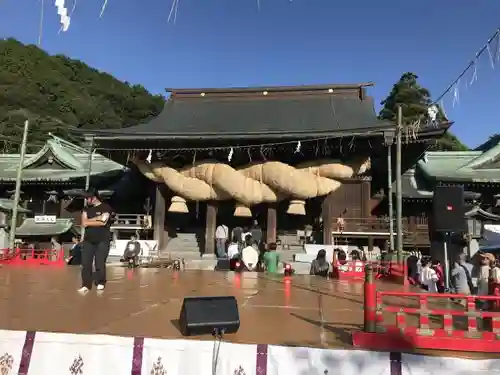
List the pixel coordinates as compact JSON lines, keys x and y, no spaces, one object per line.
{"x":209,"y":315}
{"x":449,"y":209}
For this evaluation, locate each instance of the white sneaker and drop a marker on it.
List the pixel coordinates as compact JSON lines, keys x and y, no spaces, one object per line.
{"x":83,"y":290}
{"x":100,"y":287}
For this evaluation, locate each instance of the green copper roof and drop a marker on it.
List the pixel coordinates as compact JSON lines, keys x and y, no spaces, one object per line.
{"x":58,"y":160}
{"x":6,"y":205}
{"x":466,"y":166}
{"x":30,"y":228}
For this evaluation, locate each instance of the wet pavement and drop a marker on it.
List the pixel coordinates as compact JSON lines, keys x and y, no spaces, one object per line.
{"x":294,"y":311}
{"x":299,"y":310}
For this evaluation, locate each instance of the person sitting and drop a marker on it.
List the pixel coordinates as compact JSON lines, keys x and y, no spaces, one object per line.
{"x":233,"y":253}
{"x":355,"y":255}
{"x":271,"y":259}
{"x":320,"y":266}
{"x":250,"y":255}
{"x":233,"y":248}
{"x":341,"y":256}
{"x":75,"y":253}
{"x":132,"y":251}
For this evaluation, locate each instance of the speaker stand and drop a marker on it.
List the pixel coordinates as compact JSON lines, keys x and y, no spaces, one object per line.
{"x":446,"y":262}
{"x":218,"y":335}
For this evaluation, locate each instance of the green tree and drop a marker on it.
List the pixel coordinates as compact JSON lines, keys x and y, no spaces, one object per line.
{"x":56,"y":92}
{"x":415,"y":100}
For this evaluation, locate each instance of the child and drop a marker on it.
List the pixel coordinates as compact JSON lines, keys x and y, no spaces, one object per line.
{"x":428,"y":277}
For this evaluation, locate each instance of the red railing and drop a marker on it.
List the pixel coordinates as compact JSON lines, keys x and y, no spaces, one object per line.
{"x":352,"y":269}
{"x":32,"y":257}
{"x":385,"y":270}
{"x":397,"y":320}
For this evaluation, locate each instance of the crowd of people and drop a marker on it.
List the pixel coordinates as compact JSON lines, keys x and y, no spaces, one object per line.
{"x":466,"y":277}
{"x":246,"y":249}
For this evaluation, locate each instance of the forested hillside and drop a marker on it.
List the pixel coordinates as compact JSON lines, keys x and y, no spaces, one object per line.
{"x":55,"y":92}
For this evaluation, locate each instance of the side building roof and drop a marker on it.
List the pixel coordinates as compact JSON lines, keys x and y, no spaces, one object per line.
{"x":31,"y":228}
{"x":413,"y":187}
{"x":463,"y":166}
{"x":58,"y":160}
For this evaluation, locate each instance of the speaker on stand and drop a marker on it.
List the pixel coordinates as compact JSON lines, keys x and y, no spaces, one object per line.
{"x":449,"y":218}
{"x":210,"y":315}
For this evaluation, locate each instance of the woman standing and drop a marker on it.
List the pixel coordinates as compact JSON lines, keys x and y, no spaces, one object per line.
{"x":428,"y":276}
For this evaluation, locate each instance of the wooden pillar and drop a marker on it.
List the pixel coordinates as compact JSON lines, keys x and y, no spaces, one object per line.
{"x":328,"y":219}
{"x":271,"y":223}
{"x":370,"y":244}
{"x":60,"y":207}
{"x":412,"y":229}
{"x":210,"y":226}
{"x":159,"y":218}
{"x":366,"y":198}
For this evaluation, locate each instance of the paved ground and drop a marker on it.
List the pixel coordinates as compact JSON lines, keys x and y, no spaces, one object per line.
{"x":296,"y":311}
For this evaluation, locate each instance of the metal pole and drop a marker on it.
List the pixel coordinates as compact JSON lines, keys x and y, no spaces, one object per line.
{"x":399,"y":196}
{"x":446,"y":264}
{"x":389,"y":197}
{"x":370,"y":303}
{"x":17,"y":194}
{"x":87,"y":177}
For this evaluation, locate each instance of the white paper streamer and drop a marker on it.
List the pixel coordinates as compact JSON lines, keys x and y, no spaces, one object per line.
{"x":490,"y":56}
{"x":62,"y":11}
{"x":456,"y":94}
{"x":103,"y":8}
{"x":474,"y":73}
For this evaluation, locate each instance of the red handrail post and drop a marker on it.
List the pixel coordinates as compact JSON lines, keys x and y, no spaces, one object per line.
{"x":370,"y":306}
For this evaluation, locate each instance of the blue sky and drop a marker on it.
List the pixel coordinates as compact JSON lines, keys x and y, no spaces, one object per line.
{"x":217,"y":43}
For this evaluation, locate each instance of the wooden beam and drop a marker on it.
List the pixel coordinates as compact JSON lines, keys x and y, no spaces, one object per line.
{"x":210,"y":226}
{"x":327,"y":216}
{"x":159,"y":218}
{"x":271,"y":223}
{"x":366,"y":199}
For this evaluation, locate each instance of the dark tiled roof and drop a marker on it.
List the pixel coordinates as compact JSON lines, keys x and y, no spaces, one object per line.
{"x":293,"y":112}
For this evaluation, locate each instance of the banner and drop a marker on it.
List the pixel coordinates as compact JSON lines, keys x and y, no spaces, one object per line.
{"x":42,"y":353}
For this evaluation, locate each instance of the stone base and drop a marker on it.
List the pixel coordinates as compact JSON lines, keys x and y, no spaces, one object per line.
{"x":209,"y":256}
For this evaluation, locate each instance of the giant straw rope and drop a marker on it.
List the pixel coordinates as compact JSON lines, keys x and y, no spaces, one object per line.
{"x":268,"y":181}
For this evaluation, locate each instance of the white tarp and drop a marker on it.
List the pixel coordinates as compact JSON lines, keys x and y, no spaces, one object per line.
{"x":426,"y":365}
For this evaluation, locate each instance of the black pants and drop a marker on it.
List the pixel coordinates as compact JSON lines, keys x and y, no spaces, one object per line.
{"x":98,"y":251}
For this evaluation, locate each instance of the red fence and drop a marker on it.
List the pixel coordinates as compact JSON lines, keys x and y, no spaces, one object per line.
{"x":32,"y":257}
{"x":409,"y":320}
{"x":352,"y":269}
{"x":385,"y":270}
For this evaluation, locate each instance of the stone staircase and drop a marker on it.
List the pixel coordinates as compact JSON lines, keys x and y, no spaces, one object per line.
{"x":184,"y":245}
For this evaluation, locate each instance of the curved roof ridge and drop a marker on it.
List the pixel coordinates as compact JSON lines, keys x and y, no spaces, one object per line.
{"x":487,"y":156}
{"x":59,"y":152}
